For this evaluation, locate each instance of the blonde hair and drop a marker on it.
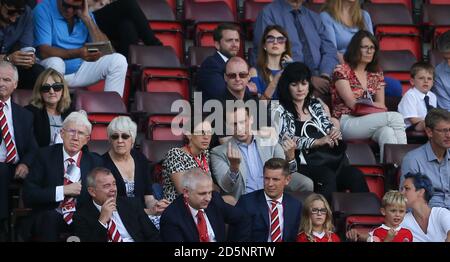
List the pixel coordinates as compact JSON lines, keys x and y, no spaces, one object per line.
{"x":334,"y":8}
{"x":393,"y":198}
{"x":36,"y":99}
{"x":306,"y":223}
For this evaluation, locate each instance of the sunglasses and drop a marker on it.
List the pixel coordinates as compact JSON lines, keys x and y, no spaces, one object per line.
{"x":116,"y":136}
{"x":67,"y":6}
{"x":272,"y":39}
{"x":234,"y":75}
{"x":12,"y":11}
{"x":45,"y":88}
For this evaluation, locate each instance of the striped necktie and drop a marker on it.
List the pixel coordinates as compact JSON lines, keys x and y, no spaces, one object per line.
{"x":275,"y":229}
{"x":11,"y":151}
{"x":68,"y":205}
{"x":113,"y":233}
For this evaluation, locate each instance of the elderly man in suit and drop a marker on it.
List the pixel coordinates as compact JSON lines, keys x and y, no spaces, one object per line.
{"x":108,"y":218}
{"x":56,"y":185}
{"x":17,"y":143}
{"x":200,"y":215}
{"x":237,"y":165}
{"x":275,"y":216}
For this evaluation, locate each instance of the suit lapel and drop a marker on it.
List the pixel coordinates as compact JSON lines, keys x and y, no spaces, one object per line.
{"x":186,"y":217}
{"x":288,"y":216}
{"x":263,"y":207}
{"x":17,"y":123}
{"x":124,"y":216}
{"x":59,"y":164}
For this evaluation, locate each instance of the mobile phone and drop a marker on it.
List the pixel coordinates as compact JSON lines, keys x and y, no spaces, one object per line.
{"x":93,"y":50}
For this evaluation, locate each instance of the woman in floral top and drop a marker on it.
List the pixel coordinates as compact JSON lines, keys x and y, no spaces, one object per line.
{"x":194,"y":154}
{"x":353,"y":80}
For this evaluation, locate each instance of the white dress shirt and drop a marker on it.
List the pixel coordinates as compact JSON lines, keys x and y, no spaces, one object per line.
{"x":223,"y":57}
{"x":119,"y":224}
{"x":8,"y":113}
{"x":211,"y":235}
{"x":413,"y":104}
{"x":59,"y":195}
{"x":280,"y":213}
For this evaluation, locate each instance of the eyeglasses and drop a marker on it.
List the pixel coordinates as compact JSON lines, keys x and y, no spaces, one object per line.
{"x":202,"y":133}
{"x":45,"y":88}
{"x":443,"y":130}
{"x":67,"y":6}
{"x":123,"y":136}
{"x":74,"y":132}
{"x":272,"y":39}
{"x":318,"y":211}
{"x":368,"y":48}
{"x":234,"y":75}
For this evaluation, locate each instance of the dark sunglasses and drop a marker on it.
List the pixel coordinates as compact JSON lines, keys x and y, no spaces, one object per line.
{"x":234,"y":75}
{"x":272,"y":39}
{"x":67,"y":6}
{"x":116,"y":136}
{"x":12,"y":11}
{"x":45,"y":88}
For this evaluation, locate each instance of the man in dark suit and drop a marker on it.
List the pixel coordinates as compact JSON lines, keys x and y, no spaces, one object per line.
{"x":54,"y":188}
{"x":210,"y":79}
{"x":112,"y":219}
{"x":17,"y":143}
{"x":275,"y":216}
{"x":200,"y":215}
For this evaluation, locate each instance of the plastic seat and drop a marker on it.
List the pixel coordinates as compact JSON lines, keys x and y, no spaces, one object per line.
{"x":436,"y":16}
{"x":196,"y":56}
{"x":352,"y":208}
{"x":395,"y":28}
{"x":155,"y":115}
{"x":158,"y":69}
{"x":163,"y":22}
{"x":101,"y":107}
{"x":22,"y":97}
{"x":393,"y":157}
{"x":99,"y":146}
{"x":100,"y":87}
{"x":313,"y":6}
{"x":407,"y":3}
{"x":362,"y":157}
{"x":155,"y":151}
{"x":232,"y":5}
{"x":397,"y":64}
{"x":438,"y":2}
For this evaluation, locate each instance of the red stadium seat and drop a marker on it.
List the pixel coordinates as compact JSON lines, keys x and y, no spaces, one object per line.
{"x":393,"y":157}
{"x":155,"y":151}
{"x":436,"y":17}
{"x":397,"y":64}
{"x":361,"y":157}
{"x":394,"y":28}
{"x":101,"y":108}
{"x":439,"y":2}
{"x":100,"y":87}
{"x":232,"y":5}
{"x":407,"y":3}
{"x":98,"y":146}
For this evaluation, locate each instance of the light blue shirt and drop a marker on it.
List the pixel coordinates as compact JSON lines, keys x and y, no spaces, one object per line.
{"x":341,"y":34}
{"x":51,"y":28}
{"x":424,"y":160}
{"x":254,"y":179}
{"x":442,"y":85}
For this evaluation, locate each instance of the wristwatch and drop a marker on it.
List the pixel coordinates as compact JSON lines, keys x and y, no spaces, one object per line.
{"x":7,"y":58}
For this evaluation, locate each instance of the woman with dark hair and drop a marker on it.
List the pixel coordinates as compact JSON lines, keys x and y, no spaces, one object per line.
{"x":304,"y":120}
{"x":50,"y":105}
{"x":427,"y":224}
{"x":360,"y":78}
{"x":273,"y":54}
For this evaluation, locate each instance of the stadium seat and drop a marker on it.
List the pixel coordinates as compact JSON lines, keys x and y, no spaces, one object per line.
{"x":438,"y":2}
{"x":163,"y":22}
{"x":22,"y":97}
{"x":100,"y":87}
{"x":196,"y":56}
{"x":361,"y":157}
{"x":393,"y":157}
{"x":155,"y":115}
{"x":313,"y":6}
{"x":356,"y":210}
{"x":155,"y":151}
{"x":101,"y":108}
{"x":158,"y":69}
{"x":397,"y":64}
{"x":251,"y":11}
{"x":394,"y":28}
{"x":98,"y":146}
{"x":407,"y":3}
{"x":437,"y":19}
{"x":232,"y":5}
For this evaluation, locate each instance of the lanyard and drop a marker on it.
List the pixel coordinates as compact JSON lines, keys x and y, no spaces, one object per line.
{"x":203,"y":164}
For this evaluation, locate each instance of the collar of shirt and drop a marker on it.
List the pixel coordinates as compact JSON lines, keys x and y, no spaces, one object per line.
{"x":194,"y":212}
{"x":288,"y":7}
{"x":66,"y":156}
{"x":223,"y":57}
{"x":419,"y":93}
{"x":431,"y":156}
{"x":319,"y":235}
{"x":269,"y":200}
{"x":383,"y":226}
{"x":243,"y":144}
{"x":7,"y":104}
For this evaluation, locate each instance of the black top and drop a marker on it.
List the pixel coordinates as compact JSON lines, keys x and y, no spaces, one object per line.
{"x":41,"y":124}
{"x":142,"y":171}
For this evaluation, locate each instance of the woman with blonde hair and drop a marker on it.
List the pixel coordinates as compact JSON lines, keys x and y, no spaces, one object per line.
{"x":50,"y":105}
{"x":317,"y":221}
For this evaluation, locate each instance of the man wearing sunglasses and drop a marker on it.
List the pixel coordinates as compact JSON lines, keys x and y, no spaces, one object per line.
{"x":309,"y":41}
{"x":61,"y":30}
{"x":16,"y":32}
{"x":17,"y":143}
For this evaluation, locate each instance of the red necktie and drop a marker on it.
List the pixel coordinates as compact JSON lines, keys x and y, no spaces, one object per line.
{"x":69,"y":202}
{"x":201,"y":227}
{"x":113,"y":233}
{"x":275,"y":229}
{"x":9,"y":143}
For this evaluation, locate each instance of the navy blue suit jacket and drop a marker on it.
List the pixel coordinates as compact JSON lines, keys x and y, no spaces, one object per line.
{"x":255,"y":205}
{"x":210,"y":79}
{"x":47,"y":172}
{"x":177,"y":223}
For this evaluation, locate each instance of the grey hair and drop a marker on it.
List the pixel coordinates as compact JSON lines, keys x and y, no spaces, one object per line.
{"x":192,"y":177}
{"x":123,"y":124}
{"x":6,"y":64}
{"x":79,"y":118}
{"x":92,"y":176}
{"x":443,"y":43}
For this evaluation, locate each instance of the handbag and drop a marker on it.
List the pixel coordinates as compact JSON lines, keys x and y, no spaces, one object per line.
{"x":364,"y":106}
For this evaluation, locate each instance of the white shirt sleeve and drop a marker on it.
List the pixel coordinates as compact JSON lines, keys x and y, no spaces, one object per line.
{"x":408,"y":106}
